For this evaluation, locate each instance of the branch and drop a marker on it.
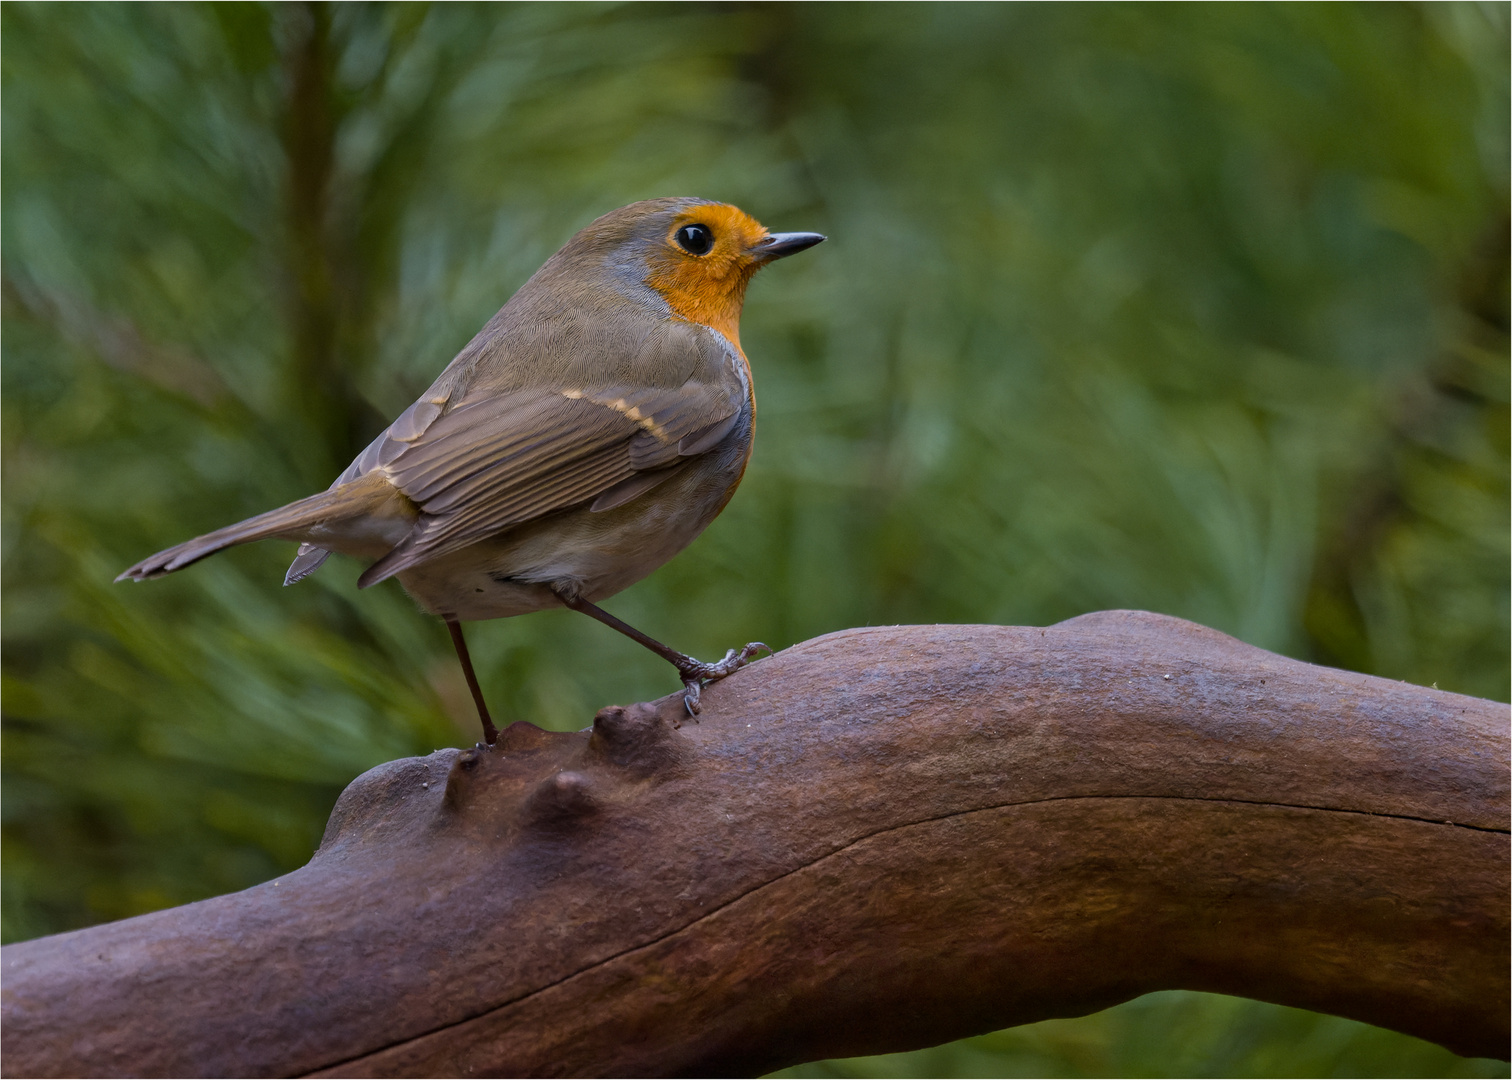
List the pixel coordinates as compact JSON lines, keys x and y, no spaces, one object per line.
{"x":878,"y":840}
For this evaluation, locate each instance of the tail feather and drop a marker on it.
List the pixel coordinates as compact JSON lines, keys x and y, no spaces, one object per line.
{"x":360,"y":496}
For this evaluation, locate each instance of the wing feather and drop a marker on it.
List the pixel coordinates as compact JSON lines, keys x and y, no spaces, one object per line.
{"x":491,"y":459}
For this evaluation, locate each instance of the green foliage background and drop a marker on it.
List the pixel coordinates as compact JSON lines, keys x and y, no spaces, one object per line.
{"x":1194,"y":308}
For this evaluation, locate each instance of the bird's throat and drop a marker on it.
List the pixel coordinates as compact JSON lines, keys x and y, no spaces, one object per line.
{"x":712,"y":302}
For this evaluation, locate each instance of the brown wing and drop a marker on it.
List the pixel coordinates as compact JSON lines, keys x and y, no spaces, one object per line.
{"x":507,"y":458}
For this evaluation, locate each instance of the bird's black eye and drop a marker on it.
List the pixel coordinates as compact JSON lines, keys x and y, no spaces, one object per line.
{"x":695,"y":239}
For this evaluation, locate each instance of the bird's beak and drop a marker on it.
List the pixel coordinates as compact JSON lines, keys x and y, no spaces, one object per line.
{"x":777,"y":245}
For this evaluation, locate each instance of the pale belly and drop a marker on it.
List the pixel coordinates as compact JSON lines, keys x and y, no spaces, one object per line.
{"x":594,"y":554}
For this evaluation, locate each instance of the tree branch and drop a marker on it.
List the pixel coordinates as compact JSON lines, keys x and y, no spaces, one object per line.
{"x":877,"y":840}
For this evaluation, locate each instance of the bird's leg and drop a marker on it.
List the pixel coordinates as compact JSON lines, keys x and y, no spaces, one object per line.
{"x":490,"y":733}
{"x":694,"y":673}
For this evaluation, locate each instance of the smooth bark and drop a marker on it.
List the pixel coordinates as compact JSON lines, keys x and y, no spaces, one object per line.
{"x":877,"y":840}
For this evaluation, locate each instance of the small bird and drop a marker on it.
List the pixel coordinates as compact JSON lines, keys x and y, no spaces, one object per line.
{"x":589,"y":432}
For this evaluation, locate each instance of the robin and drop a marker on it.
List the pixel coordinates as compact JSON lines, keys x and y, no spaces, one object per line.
{"x":589,"y":432}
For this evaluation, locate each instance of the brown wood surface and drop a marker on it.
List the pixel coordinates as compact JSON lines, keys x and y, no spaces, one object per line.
{"x":876,"y":840}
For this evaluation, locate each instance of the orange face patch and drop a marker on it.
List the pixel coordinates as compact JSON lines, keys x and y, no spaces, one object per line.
{"x":708,"y":288}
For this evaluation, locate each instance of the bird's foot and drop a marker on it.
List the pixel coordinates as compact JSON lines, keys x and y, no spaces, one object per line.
{"x":696,"y":674}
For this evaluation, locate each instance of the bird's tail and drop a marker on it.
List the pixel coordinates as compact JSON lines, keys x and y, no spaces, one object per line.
{"x":364,"y":495}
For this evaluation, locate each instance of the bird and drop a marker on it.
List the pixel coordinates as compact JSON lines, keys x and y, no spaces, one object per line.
{"x":589,"y":432}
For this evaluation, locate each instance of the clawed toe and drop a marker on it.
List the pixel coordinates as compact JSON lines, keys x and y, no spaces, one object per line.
{"x":695,"y":674}
{"x":752,"y":651}
{"x":693,"y":690}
